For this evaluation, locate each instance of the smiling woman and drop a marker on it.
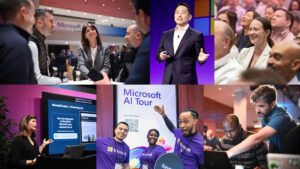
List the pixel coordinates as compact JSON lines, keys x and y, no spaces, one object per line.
{"x":24,"y":149}
{"x":257,"y":56}
{"x":153,"y":152}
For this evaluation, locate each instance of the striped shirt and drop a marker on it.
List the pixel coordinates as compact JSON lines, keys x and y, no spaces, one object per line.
{"x":249,"y":159}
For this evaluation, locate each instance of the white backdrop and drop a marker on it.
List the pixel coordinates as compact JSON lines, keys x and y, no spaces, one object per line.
{"x":135,"y":105}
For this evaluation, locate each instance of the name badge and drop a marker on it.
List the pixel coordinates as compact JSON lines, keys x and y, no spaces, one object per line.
{"x":145,"y":166}
{"x":239,"y":167}
{"x":118,"y":166}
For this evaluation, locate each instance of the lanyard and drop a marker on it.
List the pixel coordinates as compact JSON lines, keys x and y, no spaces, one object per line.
{"x":185,"y":147}
{"x":117,"y":151}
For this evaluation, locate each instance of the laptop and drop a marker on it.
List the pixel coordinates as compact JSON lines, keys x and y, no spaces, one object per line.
{"x":216,"y":160}
{"x":74,"y":152}
{"x":283,"y":161}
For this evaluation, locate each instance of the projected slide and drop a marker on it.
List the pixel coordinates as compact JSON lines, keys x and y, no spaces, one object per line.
{"x":88,"y":126}
{"x":71,"y":121}
{"x":135,"y":106}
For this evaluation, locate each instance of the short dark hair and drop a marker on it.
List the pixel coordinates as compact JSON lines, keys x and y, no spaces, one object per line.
{"x":143,"y":5}
{"x":288,"y":16}
{"x":255,"y":14}
{"x":153,"y":130}
{"x":41,"y":13}
{"x":122,"y":122}
{"x":10,"y":8}
{"x":194,"y":113}
{"x":265,"y":92}
{"x":186,"y":5}
{"x":234,"y":118}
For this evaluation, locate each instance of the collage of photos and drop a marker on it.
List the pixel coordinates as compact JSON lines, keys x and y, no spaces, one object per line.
{"x":140,"y":84}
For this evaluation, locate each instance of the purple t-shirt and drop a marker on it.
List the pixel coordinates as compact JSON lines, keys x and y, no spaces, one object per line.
{"x":150,"y":155}
{"x":110,"y":152}
{"x":189,"y":149}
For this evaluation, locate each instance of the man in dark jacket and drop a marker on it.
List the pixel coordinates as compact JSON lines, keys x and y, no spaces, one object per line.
{"x":16,"y":65}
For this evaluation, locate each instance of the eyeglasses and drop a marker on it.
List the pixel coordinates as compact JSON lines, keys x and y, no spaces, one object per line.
{"x":297,"y":38}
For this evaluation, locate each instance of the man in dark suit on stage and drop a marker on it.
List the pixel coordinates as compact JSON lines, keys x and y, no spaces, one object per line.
{"x":181,"y":47}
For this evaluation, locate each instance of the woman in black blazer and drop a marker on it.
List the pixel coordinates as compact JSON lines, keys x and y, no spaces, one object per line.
{"x":24,"y":149}
{"x":92,"y":54}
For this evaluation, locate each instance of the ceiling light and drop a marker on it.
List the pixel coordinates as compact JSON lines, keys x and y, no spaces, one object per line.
{"x":84,"y":13}
{"x":68,"y":11}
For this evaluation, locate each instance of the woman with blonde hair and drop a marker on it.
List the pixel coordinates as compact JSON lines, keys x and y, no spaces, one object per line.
{"x":24,"y":149}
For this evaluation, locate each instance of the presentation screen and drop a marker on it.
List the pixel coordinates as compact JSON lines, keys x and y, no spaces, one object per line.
{"x":70,"y":121}
{"x":135,"y":105}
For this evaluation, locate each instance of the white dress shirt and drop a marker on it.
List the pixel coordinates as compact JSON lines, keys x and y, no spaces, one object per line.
{"x":227,"y":69}
{"x":178,"y":35}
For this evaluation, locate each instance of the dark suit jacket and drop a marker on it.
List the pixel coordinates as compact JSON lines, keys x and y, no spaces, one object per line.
{"x":85,"y":61}
{"x":140,"y":73}
{"x":181,"y":67}
{"x":16,"y":64}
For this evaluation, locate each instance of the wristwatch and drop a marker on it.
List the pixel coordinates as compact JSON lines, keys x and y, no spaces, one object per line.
{"x":32,"y":163}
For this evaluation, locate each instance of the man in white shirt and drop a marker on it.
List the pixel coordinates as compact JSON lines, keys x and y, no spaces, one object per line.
{"x":227,"y":69}
{"x":180,"y":48}
{"x":285,"y":59}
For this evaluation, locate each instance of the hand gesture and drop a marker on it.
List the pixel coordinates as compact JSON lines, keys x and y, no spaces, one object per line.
{"x":163,"y":55}
{"x":160,"y":110}
{"x":202,"y":56}
{"x":46,"y":142}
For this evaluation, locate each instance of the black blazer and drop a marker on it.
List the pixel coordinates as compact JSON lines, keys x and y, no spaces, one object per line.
{"x":181,"y":67}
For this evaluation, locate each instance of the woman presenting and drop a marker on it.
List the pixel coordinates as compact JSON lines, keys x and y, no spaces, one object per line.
{"x":24,"y":149}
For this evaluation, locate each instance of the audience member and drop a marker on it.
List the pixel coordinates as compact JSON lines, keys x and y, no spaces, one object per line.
{"x":243,"y":40}
{"x":282,"y":22}
{"x":229,"y":17}
{"x":296,"y":25}
{"x":234,"y":6}
{"x":227,"y":69}
{"x":257,"y":55}
{"x":294,"y":5}
{"x":269,"y":12}
{"x":285,"y":58}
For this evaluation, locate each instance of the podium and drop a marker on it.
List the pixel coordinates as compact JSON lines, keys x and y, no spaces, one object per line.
{"x":54,"y":162}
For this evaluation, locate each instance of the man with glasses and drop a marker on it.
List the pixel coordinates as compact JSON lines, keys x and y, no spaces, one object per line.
{"x":234,"y":134}
{"x":297,"y":39}
{"x":189,"y":143}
